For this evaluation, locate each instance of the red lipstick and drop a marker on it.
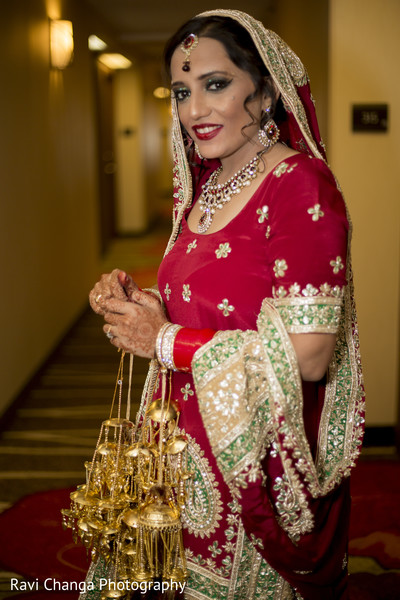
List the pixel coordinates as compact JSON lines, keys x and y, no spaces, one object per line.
{"x":206,"y":131}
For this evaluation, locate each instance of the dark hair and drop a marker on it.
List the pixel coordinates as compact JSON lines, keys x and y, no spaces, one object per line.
{"x":240,"y":48}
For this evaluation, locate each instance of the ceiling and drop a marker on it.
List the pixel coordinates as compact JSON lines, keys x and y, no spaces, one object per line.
{"x":141,"y":27}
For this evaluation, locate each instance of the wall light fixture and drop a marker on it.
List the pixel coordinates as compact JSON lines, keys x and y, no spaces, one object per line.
{"x":61,"y":44}
{"x":115,"y":61}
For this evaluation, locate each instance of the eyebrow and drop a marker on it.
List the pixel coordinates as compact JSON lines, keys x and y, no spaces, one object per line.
{"x":204,"y":76}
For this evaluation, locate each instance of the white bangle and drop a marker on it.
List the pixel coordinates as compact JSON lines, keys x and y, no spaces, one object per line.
{"x":165,"y":345}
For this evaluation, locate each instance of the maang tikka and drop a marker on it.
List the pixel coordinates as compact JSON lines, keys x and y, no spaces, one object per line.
{"x":187,"y":46}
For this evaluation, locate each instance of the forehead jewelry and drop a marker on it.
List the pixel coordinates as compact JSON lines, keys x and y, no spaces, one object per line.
{"x":187,"y":46}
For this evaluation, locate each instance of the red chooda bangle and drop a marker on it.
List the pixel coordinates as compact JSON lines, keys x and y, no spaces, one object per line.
{"x":187,"y":341}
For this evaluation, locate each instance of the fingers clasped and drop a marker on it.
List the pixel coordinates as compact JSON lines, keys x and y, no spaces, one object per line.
{"x":132,"y":317}
{"x":115,"y":285}
{"x":133,"y":326}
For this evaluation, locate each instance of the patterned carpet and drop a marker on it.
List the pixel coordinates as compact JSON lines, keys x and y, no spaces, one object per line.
{"x":53,"y":428}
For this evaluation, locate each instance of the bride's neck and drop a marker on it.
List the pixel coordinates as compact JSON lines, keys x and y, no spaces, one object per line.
{"x":233,"y":164}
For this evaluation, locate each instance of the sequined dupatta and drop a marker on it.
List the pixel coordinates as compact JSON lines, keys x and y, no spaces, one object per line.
{"x":250,"y":397}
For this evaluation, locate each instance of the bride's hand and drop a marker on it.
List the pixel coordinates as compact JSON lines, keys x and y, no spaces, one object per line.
{"x":115,"y":285}
{"x":133,"y":326}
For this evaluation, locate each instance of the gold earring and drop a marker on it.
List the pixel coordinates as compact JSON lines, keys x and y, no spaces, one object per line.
{"x":269,"y":134}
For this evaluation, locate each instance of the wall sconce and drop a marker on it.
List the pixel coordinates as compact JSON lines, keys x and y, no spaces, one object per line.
{"x":61,"y":44}
{"x":161,"y":92}
{"x":115,"y":61}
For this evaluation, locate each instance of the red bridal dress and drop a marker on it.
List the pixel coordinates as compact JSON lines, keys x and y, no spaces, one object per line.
{"x":287,"y":247}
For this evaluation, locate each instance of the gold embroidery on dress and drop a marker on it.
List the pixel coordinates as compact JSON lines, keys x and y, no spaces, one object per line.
{"x":316,"y":212}
{"x":204,"y":506}
{"x":247,"y":576}
{"x":225,"y":307}
{"x":186,"y":292}
{"x":167,"y":291}
{"x":256,"y":541}
{"x":223,"y":250}
{"x":263,"y":214}
{"x":337,"y":265}
{"x":280,"y":267}
{"x":283,"y":168}
{"x":295,"y":291}
{"x":191,"y":246}
{"x":187,"y":391}
{"x":309,"y":310}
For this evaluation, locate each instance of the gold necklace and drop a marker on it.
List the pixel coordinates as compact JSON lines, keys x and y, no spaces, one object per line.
{"x":215,"y":195}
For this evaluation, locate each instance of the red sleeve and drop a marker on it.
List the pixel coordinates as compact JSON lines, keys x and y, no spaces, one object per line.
{"x":308,"y":228}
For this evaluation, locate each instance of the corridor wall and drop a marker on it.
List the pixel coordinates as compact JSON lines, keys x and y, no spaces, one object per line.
{"x":363,"y":67}
{"x":48,"y":213}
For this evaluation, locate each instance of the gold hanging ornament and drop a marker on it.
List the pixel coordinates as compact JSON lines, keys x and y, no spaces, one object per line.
{"x":128,"y":514}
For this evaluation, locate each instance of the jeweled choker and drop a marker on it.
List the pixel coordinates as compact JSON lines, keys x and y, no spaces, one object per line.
{"x":215,"y":195}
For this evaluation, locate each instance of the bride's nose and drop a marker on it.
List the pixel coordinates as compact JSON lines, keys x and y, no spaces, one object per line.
{"x":198,"y":106}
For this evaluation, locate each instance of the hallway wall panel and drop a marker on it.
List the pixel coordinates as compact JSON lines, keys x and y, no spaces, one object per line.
{"x":48,"y":221}
{"x":364,"y":53}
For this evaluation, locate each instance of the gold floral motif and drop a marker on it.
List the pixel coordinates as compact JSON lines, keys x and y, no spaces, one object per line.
{"x":225,"y":307}
{"x":337,"y":264}
{"x":294,"y":290}
{"x":167,"y":291}
{"x":283,"y":168}
{"x":186,"y":292}
{"x":309,"y":290}
{"x":214,"y":549}
{"x":191,"y":246}
{"x":316,"y":212}
{"x":256,"y":541}
{"x":223,"y":250}
{"x":263,"y":214}
{"x":280,"y":267}
{"x":187,"y":391}
{"x":229,"y":547}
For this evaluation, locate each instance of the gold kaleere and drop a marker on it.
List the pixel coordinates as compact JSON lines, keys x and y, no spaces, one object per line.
{"x":128,"y":514}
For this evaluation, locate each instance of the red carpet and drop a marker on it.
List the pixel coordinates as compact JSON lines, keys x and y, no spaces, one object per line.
{"x":375,"y":520}
{"x":33,"y":543}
